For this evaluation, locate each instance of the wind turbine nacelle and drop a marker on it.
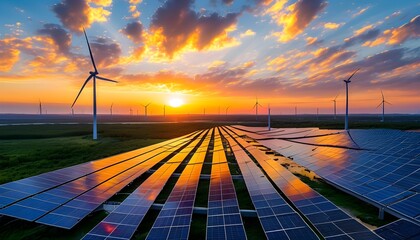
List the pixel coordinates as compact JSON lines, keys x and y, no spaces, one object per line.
{"x":93,"y":73}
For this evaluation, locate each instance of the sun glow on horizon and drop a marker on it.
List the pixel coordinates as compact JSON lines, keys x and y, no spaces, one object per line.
{"x":176,"y":102}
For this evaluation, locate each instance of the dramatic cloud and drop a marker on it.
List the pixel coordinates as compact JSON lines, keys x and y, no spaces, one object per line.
{"x":361,"y":38}
{"x":9,"y":56}
{"x":105,"y":51}
{"x":61,"y":37}
{"x":410,"y":30}
{"x":297,"y":17}
{"x":76,"y":14}
{"x":134,"y":31}
{"x":175,"y":26}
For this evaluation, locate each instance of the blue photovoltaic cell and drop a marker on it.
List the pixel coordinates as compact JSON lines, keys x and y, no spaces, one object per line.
{"x":399,"y":230}
{"x":381,"y":166}
{"x":133,"y":209}
{"x":324,"y":215}
{"x":223,"y":211}
{"x":264,"y":196}
{"x":173,"y":222}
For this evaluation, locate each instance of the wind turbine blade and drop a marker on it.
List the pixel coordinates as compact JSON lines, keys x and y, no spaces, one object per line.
{"x":90,"y":51}
{"x":353,"y":74}
{"x":388,"y":102}
{"x":336,"y":97}
{"x":84,"y":84}
{"x":383,"y":98}
{"x":106,"y":79}
{"x":148,"y":104}
{"x":380,"y":104}
{"x":254,"y":106}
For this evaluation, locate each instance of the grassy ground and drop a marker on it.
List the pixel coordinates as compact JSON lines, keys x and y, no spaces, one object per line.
{"x":30,"y":150}
{"x":365,"y":212}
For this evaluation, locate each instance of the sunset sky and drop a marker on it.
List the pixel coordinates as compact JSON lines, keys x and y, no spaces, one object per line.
{"x":210,"y":53}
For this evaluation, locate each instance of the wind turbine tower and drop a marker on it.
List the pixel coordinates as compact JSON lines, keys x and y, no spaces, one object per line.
{"x":335,"y":106}
{"x":94,"y":76}
{"x":111,"y":108}
{"x":145,"y":109}
{"x":346,"y":123}
{"x":40,"y":107}
{"x":256,"y":108}
{"x":269,"y":118}
{"x":227,"y":110}
{"x":383,"y":106}
{"x":164,"y":110}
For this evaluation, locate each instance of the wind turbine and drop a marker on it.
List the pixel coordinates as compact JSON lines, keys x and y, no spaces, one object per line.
{"x":335,"y":108}
{"x":227,"y":110}
{"x":164,"y":110}
{"x":94,"y":76}
{"x":40,"y":107}
{"x":131,"y":111}
{"x":346,"y":123}
{"x":383,"y":106}
{"x":256,"y":108}
{"x":145,"y":109}
{"x":269,"y":118}
{"x":111,"y":108}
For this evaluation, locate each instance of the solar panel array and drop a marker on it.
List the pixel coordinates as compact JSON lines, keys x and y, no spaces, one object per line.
{"x":173,"y":221}
{"x":399,"y":230}
{"x":330,"y":220}
{"x":125,"y":219}
{"x":67,"y":203}
{"x":278,"y":219}
{"x":223,"y":217}
{"x":385,"y":172}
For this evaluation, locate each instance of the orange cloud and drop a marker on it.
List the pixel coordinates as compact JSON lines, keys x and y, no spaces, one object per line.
{"x":175,"y":27}
{"x":361,"y":11}
{"x":76,"y":14}
{"x":363,"y":29}
{"x":297,"y":17}
{"x":311,"y":40}
{"x":104,"y":3}
{"x":398,"y":35}
{"x":8,"y":56}
{"x":331,"y":25}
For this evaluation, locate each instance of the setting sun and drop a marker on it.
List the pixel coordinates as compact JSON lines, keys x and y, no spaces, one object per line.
{"x":176,"y":102}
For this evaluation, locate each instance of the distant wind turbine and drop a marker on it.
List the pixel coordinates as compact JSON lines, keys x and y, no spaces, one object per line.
{"x":335,"y":106}
{"x":131,"y":111}
{"x":94,"y":76}
{"x":346,"y":123}
{"x":164,"y":110}
{"x":383,"y":106}
{"x":145,"y":109}
{"x":256,"y":108}
{"x":227,"y":110}
{"x":269,"y":118}
{"x":40,"y":107}
{"x":111,"y":108}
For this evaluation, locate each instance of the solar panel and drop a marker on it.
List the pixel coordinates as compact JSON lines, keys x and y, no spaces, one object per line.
{"x":277,"y":218}
{"x":66,"y":204}
{"x":384,"y":171}
{"x":401,"y":229}
{"x":223,"y":217}
{"x":325,"y":216}
{"x":133,"y":209}
{"x":173,"y":222}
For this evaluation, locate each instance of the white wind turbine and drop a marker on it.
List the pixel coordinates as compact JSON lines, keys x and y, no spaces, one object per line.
{"x":94,"y":76}
{"x":383,"y":106}
{"x":346,"y":123}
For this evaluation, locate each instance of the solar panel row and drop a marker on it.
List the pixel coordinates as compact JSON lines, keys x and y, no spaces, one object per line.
{"x":278,"y":219}
{"x":173,"y":221}
{"x":125,"y":219}
{"x":223,"y":216}
{"x":399,"y":230}
{"x":65,"y":205}
{"x":330,"y":220}
{"x":387,"y":178}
